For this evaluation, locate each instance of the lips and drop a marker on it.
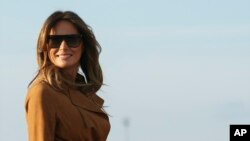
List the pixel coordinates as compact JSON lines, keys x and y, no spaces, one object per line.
{"x":64,"y":56}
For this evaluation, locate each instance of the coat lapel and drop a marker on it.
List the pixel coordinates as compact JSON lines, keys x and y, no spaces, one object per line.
{"x":92,"y":103}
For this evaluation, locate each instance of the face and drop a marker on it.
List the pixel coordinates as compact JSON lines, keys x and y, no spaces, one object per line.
{"x":61,"y":53}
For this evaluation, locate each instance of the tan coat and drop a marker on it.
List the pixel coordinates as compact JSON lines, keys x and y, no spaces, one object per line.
{"x":53,"y":116}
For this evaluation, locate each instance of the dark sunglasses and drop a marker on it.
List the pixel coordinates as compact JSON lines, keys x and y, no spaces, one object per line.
{"x":72,"y":40}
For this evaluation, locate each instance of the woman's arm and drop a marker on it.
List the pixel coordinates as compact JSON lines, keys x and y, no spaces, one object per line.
{"x":40,"y":114}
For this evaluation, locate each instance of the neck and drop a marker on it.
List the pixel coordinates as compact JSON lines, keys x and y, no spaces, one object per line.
{"x":72,"y":72}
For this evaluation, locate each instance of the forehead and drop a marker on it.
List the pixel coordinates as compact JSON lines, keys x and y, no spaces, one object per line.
{"x":63,"y":28}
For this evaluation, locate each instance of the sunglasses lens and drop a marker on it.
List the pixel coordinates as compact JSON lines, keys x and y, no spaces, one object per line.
{"x":55,"y":42}
{"x":72,"y":41}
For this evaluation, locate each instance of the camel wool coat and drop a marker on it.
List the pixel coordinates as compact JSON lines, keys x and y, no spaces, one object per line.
{"x":53,"y":116}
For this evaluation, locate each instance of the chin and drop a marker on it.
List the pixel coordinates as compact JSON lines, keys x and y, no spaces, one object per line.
{"x":66,"y":66}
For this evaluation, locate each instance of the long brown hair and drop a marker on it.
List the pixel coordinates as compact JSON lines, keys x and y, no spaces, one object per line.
{"x":89,"y":61}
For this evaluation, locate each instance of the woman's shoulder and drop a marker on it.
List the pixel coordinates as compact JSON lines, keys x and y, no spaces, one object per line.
{"x":39,"y":85}
{"x":39,"y":96}
{"x":40,"y":89}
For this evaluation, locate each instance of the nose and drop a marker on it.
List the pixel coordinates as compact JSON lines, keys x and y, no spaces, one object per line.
{"x":63,"y":45}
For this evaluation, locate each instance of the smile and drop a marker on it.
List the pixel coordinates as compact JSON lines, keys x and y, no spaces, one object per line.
{"x":64,"y":56}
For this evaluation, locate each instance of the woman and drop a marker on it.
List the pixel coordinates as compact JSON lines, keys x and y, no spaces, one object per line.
{"x":61,"y":104}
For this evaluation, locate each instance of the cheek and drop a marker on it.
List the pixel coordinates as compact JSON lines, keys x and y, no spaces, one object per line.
{"x":78,"y":56}
{"x":51,"y":55}
{"x":78,"y":52}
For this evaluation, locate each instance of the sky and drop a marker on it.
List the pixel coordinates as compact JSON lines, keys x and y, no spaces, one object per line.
{"x":174,"y":69}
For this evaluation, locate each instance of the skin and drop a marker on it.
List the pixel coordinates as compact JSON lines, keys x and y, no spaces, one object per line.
{"x":64,"y":57}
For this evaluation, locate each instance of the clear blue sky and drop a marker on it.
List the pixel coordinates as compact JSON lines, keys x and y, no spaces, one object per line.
{"x":177,"y":69}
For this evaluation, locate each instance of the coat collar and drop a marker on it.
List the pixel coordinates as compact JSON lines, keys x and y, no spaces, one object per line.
{"x":91,"y":103}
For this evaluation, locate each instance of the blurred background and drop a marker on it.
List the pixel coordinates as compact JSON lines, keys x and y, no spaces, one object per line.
{"x":175,"y":69}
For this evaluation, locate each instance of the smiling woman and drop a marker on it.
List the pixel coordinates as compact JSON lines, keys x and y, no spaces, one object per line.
{"x":65,"y":47}
{"x":61,"y":103}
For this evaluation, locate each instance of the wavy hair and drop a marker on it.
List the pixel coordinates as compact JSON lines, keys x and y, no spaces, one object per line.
{"x":89,"y":61}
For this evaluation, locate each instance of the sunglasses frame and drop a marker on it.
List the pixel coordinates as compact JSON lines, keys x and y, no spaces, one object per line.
{"x":54,"y":41}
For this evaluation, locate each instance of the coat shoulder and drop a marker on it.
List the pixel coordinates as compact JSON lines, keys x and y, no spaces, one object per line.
{"x":40,"y":90}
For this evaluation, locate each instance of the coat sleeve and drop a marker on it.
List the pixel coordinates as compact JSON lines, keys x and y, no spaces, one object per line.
{"x":40,"y":114}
